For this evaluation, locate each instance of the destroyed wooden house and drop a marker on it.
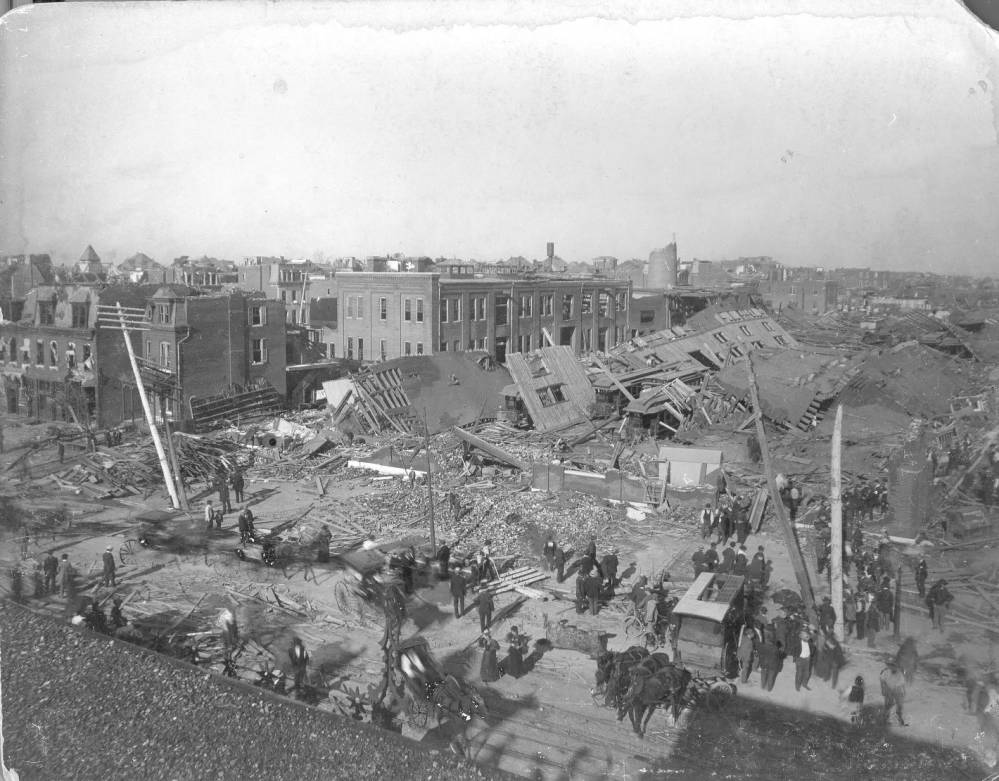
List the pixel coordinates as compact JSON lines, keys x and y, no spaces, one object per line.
{"x":553,"y":387}
{"x":410,"y":395}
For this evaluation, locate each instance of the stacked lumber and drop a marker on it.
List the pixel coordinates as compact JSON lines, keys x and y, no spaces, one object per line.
{"x":519,"y":580}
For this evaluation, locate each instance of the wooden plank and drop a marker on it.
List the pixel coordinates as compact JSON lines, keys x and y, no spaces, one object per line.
{"x":496,"y":452}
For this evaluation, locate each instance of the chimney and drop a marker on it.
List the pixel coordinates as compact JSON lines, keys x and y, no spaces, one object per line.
{"x":550,"y":258}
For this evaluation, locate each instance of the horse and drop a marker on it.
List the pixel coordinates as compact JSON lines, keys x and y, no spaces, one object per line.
{"x":609,"y":667}
{"x":648,"y":692}
{"x":625,"y":678}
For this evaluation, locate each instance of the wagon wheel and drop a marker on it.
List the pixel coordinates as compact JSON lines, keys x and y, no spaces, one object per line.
{"x":418,"y":711}
{"x":344,"y":596}
{"x":633,"y":627}
{"x":127,"y":548}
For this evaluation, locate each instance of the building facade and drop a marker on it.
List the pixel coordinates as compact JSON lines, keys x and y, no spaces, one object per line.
{"x":384,"y":315}
{"x":58,"y":362}
{"x":813,"y":296}
{"x":204,"y":345}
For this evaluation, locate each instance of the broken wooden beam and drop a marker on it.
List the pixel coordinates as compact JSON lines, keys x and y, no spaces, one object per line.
{"x":492,"y":450}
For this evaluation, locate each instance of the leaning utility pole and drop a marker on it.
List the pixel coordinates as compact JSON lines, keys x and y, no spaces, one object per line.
{"x":136,"y":321}
{"x":836,"y":536}
{"x":430,"y":484}
{"x":797,"y":562}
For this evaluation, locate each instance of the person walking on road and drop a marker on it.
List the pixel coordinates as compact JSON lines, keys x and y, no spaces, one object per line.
{"x":238,"y":484}
{"x":50,"y":566}
{"x":65,"y":577}
{"x":893,"y":690}
{"x":592,"y":591}
{"x":922,"y":572}
{"x":458,"y":589}
{"x":803,"y":661}
{"x":486,"y":606}
{"x":107,"y":578}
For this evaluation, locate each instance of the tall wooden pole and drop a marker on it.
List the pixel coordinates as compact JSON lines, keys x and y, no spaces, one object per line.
{"x":153,"y":431}
{"x":175,"y":465}
{"x":430,"y":483}
{"x":836,"y":537}
{"x":787,"y":530}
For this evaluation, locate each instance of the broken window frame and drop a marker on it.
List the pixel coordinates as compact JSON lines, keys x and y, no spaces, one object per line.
{"x":603,"y":304}
{"x":546,"y":304}
{"x":46,"y":312}
{"x":54,"y":354}
{"x":720,"y":337}
{"x":586,"y":304}
{"x":80,"y":314}
{"x":39,"y":352}
{"x":769,"y":326}
{"x":258,"y":314}
{"x":258,"y":351}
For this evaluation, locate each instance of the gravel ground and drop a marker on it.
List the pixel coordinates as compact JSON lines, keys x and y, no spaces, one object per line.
{"x":80,"y":706}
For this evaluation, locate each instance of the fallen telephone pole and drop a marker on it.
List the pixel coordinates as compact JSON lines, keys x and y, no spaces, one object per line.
{"x":836,"y":513}
{"x":797,"y":561}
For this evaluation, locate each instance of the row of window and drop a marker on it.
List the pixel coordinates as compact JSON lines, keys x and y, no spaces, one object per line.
{"x":355,"y":348}
{"x":42,"y":351}
{"x":80,"y":314}
{"x":450,"y":308}
{"x":412,"y":309}
{"x":258,"y":352}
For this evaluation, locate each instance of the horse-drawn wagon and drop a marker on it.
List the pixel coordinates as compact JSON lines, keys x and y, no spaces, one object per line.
{"x":429,"y":690}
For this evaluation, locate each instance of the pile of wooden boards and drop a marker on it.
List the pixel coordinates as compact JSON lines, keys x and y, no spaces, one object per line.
{"x":519,"y":580}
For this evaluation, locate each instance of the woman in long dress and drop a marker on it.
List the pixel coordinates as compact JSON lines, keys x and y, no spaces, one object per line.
{"x":489,"y":668}
{"x":513,"y":665}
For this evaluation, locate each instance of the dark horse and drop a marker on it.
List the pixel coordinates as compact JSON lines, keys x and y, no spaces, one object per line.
{"x":610,"y":666}
{"x":664,"y":688}
{"x":626,"y":678}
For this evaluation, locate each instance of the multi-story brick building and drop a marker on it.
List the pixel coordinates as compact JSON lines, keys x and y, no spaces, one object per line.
{"x":288,"y":281}
{"x":57,"y":356}
{"x":390,"y":315}
{"x":813,"y":296}
{"x":204,"y":345}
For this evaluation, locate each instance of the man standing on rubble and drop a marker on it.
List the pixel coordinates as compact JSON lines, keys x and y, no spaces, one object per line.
{"x":209,"y":514}
{"x":548,"y":551}
{"x":107,"y":560}
{"x":65,"y":576}
{"x":592,"y":590}
{"x":238,"y":483}
{"x":223,"y":486}
{"x":486,"y":606}
{"x":458,"y":589}
{"x":706,"y":521}
{"x":922,"y":572}
{"x":939,"y":599}
{"x":50,"y":566}
{"x":609,"y":565}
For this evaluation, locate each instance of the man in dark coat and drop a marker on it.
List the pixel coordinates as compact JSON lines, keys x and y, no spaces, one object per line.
{"x":827,"y":615}
{"x":711,"y":558}
{"x":444,"y":558}
{"x":698,"y":560}
{"x":548,"y":551}
{"x":299,"y":662}
{"x":486,"y":606}
{"x":238,"y":484}
{"x":581,"y":592}
{"x":107,"y":576}
{"x":727,"y":558}
{"x":885,"y":601}
{"x":245,"y":522}
{"x":939,"y":599}
{"x":741,"y":563}
{"x":458,"y":588}
{"x":803,"y":661}
{"x":223,"y":487}
{"x":592,"y":590}
{"x":757,"y":567}
{"x":768,"y":658}
{"x":922,"y":572}
{"x":49,"y":568}
{"x":609,"y":564}
{"x":559,"y":563}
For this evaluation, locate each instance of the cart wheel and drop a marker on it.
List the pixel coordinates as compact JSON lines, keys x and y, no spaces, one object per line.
{"x":344,"y":597}
{"x":633,"y":627}
{"x":126,"y":549}
{"x":419,"y":713}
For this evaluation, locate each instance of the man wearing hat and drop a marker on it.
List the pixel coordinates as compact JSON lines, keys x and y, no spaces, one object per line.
{"x":109,"y":568}
{"x":803,"y":661}
{"x":609,"y":565}
{"x":706,"y":521}
{"x":827,"y":615}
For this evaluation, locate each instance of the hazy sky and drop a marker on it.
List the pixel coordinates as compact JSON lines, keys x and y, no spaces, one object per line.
{"x":285,"y":128}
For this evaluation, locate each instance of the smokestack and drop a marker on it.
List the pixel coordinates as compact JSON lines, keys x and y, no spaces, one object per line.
{"x":550,"y":256}
{"x":663,"y":268}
